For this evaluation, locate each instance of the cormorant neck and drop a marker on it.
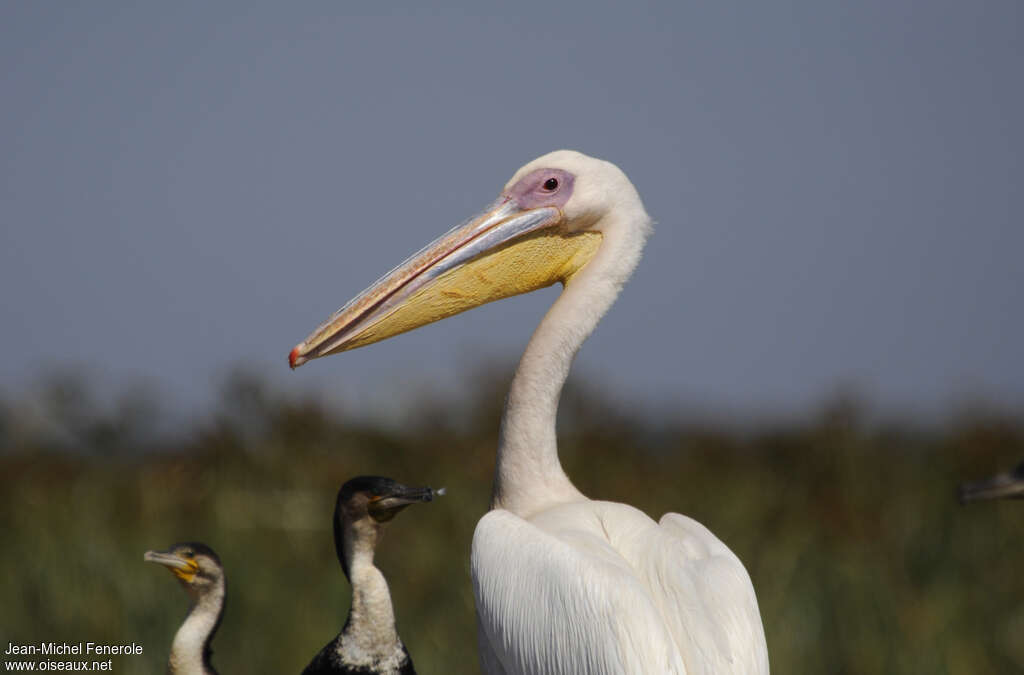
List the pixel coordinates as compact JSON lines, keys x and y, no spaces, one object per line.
{"x":369,"y":638}
{"x":528,"y":474}
{"x":190,"y":650}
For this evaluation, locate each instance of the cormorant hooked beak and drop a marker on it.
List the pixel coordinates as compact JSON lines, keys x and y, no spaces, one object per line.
{"x":383,"y":507}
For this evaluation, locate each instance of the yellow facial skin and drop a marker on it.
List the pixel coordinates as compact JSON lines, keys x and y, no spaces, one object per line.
{"x":533,"y":261}
{"x":186,"y":573}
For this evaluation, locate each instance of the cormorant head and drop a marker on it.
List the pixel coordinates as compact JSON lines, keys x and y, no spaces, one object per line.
{"x":364,"y":504}
{"x":196,"y":565}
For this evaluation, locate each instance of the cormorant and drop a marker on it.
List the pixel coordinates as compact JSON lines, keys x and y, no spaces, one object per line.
{"x":369,"y":642}
{"x":200,"y":571}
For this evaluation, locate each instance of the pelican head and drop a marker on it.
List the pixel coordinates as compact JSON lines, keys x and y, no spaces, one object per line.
{"x":546,"y":225}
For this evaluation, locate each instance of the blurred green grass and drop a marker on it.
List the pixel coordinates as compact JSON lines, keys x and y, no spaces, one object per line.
{"x":862,"y":559}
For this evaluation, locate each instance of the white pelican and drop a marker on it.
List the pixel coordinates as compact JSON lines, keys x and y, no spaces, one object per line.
{"x":563,"y":584}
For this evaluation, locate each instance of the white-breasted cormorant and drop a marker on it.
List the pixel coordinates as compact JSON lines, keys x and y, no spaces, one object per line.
{"x":200,"y":571}
{"x":369,"y":642}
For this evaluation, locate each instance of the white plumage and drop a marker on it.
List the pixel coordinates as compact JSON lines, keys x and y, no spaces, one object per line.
{"x":599,"y":587}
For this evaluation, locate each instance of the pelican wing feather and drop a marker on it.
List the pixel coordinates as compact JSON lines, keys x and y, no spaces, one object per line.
{"x":598,"y":587}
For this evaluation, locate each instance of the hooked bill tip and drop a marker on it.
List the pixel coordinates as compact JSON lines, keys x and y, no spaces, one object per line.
{"x":294,"y":360}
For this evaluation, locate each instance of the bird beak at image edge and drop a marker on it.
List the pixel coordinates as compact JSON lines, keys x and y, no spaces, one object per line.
{"x":1003,"y":486}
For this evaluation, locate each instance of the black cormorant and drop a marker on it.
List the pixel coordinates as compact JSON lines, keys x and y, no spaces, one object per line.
{"x":369,"y":642}
{"x":201,"y":573}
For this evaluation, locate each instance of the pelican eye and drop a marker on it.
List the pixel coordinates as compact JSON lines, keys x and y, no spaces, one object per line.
{"x":551,"y":184}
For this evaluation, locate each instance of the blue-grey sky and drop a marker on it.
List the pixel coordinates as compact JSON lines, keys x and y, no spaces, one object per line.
{"x":837,"y":188}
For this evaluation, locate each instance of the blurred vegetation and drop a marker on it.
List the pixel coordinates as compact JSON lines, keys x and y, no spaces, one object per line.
{"x":862,"y":559}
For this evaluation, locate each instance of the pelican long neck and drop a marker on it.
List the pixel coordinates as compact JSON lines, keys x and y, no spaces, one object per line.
{"x":369,"y":635}
{"x":190,"y":650}
{"x":528,"y":474}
